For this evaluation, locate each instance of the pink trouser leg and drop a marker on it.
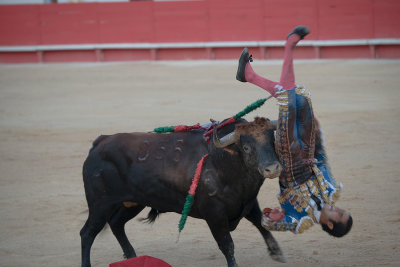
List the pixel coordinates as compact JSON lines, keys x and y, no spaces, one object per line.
{"x":287,"y":80}
{"x":262,"y":82}
{"x":287,"y":76}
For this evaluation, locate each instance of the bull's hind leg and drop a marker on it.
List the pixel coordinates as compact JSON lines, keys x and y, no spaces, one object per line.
{"x":254,"y":216}
{"x":117,"y":225}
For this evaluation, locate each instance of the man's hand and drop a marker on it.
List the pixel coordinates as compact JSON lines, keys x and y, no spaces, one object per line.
{"x":275,"y":215}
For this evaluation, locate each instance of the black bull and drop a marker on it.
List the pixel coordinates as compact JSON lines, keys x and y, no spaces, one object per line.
{"x":124,"y":173}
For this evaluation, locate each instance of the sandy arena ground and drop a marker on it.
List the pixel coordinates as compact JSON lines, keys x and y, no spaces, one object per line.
{"x":50,"y":114}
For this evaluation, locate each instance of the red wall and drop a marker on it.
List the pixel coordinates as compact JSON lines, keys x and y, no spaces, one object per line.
{"x":196,"y":21}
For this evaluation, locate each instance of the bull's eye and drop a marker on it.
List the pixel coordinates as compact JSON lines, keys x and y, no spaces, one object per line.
{"x":246,"y":149}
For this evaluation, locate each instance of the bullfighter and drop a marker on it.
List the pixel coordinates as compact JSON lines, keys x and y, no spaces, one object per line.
{"x":308,"y":190}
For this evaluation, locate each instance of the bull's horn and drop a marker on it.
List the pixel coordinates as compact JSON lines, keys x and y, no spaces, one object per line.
{"x":274,"y":124}
{"x":224,"y":141}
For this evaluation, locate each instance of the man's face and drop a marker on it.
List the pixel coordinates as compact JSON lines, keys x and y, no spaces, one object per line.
{"x":332,"y":213}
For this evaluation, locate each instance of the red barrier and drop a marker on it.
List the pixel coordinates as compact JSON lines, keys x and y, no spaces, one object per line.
{"x":197,"y":21}
{"x":20,"y":25}
{"x":125,"y":22}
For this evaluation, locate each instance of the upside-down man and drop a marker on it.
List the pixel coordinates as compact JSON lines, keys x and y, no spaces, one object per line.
{"x":308,"y":190}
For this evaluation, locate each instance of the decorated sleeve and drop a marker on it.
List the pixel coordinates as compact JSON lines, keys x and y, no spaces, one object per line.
{"x":288,"y":223}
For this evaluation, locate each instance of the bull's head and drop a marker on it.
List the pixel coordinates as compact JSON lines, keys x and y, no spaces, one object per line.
{"x":255,"y":141}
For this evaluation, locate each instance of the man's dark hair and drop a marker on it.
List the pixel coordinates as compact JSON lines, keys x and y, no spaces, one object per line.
{"x":339,"y":229}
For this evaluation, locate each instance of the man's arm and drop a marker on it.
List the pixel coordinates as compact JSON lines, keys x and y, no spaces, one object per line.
{"x":272,"y":222}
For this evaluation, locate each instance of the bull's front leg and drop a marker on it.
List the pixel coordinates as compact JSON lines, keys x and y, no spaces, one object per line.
{"x":220,"y":230}
{"x":254,"y":216}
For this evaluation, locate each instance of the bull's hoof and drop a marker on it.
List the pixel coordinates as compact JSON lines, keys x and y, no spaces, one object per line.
{"x":130,"y":253}
{"x":279,"y":258}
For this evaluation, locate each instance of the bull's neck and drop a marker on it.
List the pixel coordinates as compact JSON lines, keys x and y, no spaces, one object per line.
{"x":252,"y":182}
{"x":233,"y":172}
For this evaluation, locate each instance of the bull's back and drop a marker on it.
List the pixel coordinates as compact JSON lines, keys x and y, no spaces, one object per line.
{"x":145,"y":167}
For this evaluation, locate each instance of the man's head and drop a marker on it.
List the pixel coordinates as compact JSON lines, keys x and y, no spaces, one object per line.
{"x":335,"y":221}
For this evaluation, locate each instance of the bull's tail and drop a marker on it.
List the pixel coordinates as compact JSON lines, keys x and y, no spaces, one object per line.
{"x":151,"y":217}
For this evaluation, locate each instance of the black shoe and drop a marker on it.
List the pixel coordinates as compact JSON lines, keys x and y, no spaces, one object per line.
{"x":244,"y":58}
{"x":300,"y":30}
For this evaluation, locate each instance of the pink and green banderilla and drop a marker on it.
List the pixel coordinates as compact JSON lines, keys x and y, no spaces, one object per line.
{"x":185,"y":128}
{"x":192,"y":192}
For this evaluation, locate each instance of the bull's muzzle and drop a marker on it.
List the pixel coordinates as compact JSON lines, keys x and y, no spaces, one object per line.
{"x":271,"y":171}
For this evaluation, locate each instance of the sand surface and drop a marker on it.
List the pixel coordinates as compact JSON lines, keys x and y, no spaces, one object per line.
{"x":50,"y":114}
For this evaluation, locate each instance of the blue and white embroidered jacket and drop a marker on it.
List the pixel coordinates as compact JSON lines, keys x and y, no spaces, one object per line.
{"x":306,"y":172}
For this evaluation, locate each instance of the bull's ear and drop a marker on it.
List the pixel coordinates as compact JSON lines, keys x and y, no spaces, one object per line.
{"x":274,"y":124}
